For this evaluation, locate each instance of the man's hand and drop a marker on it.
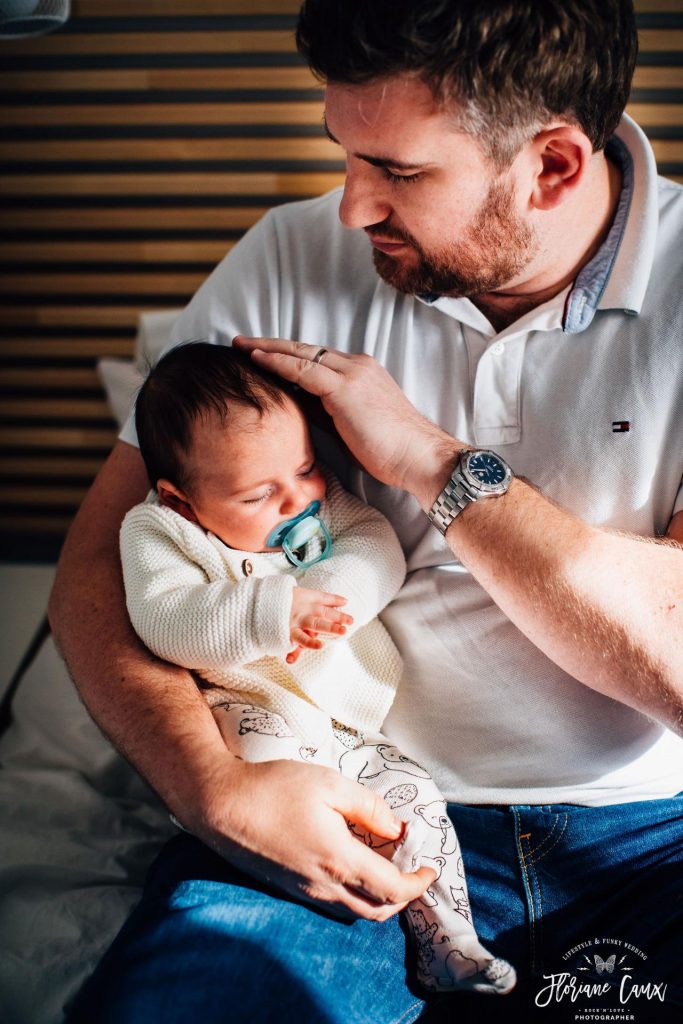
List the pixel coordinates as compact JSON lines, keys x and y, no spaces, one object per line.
{"x":315,"y":612}
{"x":286,"y":823}
{"x":388,"y":436}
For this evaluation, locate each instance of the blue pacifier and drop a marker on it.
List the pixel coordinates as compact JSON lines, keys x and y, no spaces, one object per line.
{"x":294,"y":534}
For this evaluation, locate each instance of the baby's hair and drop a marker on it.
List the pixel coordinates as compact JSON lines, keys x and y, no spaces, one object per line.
{"x":189,"y":383}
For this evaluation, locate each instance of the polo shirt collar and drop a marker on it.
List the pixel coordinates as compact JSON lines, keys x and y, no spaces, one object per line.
{"x":627,"y":282}
{"x":618,"y":275}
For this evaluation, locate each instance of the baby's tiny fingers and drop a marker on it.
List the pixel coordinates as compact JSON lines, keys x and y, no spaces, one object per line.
{"x":332,"y":615}
{"x":329,"y":600}
{"x":304,"y":639}
{"x":321,"y":624}
{"x":346,"y":620}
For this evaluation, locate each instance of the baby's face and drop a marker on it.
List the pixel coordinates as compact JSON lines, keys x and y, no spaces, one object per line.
{"x":252,"y":473}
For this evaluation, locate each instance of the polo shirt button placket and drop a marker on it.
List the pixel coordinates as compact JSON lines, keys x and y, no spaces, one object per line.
{"x":496,"y":405}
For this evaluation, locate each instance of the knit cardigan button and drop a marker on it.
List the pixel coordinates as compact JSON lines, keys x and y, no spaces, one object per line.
{"x":247,"y":567}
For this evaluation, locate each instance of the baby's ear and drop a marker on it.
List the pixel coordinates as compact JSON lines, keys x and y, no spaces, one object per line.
{"x":171,"y":497}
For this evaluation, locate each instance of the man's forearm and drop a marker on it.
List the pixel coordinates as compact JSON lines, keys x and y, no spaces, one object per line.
{"x":150,"y":710}
{"x":605,"y":607}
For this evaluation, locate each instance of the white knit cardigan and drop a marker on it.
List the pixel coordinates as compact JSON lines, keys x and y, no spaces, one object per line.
{"x":225,"y":613}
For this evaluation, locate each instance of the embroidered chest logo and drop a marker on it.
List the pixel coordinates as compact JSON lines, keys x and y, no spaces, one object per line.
{"x":621,"y":426}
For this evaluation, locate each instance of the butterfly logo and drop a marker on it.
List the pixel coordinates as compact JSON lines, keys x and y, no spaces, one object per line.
{"x":607,"y":966}
{"x":604,"y":966}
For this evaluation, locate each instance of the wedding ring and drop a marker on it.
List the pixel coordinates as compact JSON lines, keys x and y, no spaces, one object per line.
{"x":318,"y":357}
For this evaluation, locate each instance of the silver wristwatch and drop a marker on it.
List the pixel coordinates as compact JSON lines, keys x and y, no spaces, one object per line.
{"x":479,"y":474}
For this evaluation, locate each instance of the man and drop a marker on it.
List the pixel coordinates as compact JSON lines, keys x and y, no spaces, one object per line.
{"x":525,"y":303}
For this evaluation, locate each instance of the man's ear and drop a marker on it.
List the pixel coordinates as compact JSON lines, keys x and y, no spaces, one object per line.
{"x":172,"y":497}
{"x":561,"y":155}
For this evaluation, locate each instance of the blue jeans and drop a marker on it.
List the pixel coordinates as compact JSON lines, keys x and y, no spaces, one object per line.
{"x":587,"y":903}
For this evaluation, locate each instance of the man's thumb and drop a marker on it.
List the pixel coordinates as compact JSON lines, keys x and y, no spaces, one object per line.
{"x":368,"y":810}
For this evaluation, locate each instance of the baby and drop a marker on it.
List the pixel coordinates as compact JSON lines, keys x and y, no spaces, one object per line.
{"x":233,"y":568}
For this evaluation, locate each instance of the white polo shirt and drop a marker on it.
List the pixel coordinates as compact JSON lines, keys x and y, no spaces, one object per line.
{"x":583,"y":396}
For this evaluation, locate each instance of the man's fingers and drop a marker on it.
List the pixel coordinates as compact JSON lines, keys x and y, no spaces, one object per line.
{"x":315,"y":378}
{"x":284,"y":345}
{"x":361,"y":806}
{"x":292,"y":349}
{"x":381,"y":883}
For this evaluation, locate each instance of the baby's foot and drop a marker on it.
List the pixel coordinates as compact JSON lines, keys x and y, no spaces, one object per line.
{"x":497,"y":977}
{"x":463,"y":964}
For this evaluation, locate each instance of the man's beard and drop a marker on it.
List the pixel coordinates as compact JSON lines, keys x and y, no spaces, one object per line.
{"x":496,"y":246}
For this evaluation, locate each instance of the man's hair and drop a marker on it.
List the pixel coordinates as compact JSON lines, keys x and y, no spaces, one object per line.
{"x":507,"y":67}
{"x":190,"y":383}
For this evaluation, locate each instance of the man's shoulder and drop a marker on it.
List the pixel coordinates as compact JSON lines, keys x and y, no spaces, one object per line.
{"x":308,"y":211}
{"x":668,"y":266}
{"x":670,"y":195}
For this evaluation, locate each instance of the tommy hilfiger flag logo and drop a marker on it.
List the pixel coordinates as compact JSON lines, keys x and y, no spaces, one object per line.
{"x":621,"y":426}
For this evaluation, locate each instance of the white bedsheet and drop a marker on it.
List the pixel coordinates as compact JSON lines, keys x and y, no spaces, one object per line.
{"x":78,"y":830}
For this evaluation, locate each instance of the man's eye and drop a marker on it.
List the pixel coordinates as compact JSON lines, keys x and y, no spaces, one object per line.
{"x":400,"y":179}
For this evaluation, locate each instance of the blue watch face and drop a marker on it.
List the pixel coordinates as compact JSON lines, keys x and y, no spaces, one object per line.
{"x":485,"y":467}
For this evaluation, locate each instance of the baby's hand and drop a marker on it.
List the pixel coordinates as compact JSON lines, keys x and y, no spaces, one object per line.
{"x":315,"y":612}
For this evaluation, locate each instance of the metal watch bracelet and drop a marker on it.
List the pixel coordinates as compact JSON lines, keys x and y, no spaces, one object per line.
{"x":450,"y":503}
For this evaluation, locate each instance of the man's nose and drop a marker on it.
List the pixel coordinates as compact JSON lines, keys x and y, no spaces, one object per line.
{"x":362,"y":203}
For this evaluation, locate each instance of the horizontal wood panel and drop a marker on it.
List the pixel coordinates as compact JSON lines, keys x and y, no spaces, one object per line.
{"x":180,"y":150}
{"x":38,"y":283}
{"x":113,"y":252}
{"x":60,"y":348}
{"x":54,"y":408}
{"x":47,"y":378}
{"x":70,"y":316}
{"x":171,"y":8}
{"x":19,"y":494}
{"x":35,"y":525}
{"x":158,"y":79}
{"x":169,"y":218}
{"x":657,"y":6}
{"x":100,"y":43}
{"x":81,"y":439}
{"x":656,"y":114}
{"x":668,"y":151}
{"x":136,"y":114}
{"x":651,"y":40}
{"x":48,"y":467}
{"x":181,"y":183}
{"x":658,"y":77}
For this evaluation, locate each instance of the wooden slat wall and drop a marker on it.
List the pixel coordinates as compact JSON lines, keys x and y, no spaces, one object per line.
{"x":136,"y":146}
